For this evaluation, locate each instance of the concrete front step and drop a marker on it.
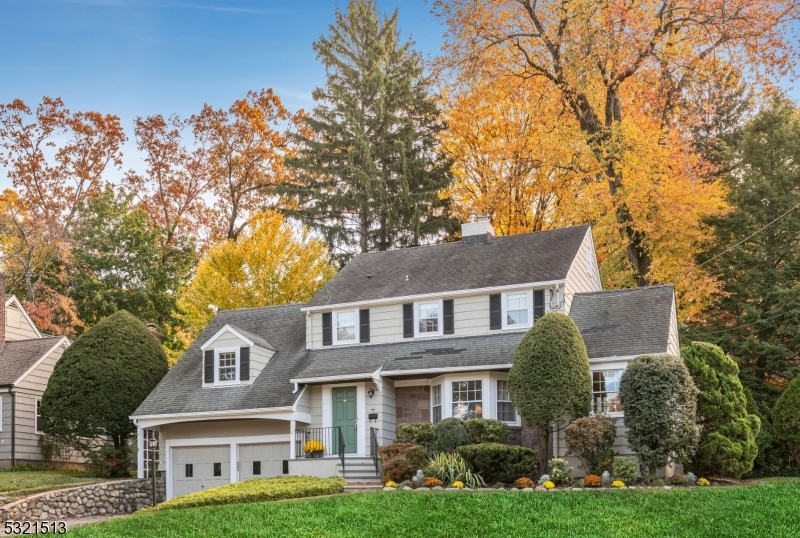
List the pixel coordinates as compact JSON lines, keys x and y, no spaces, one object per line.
{"x":359,"y":470}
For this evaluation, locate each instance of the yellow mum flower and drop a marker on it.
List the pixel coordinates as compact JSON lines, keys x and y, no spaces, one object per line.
{"x":548,"y":485}
{"x":458,"y":484}
{"x":618,"y":484}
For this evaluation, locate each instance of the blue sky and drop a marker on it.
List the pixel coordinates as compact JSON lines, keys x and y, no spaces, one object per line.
{"x":142,"y":57}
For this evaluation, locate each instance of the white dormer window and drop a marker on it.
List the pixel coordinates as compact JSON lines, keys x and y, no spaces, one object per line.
{"x":427,"y":320}
{"x":226,"y":366}
{"x":345,"y":327}
{"x":517,"y":310}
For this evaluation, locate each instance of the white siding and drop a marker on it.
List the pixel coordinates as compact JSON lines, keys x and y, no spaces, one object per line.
{"x":259,"y":356}
{"x":303,"y":404}
{"x":386,"y":418}
{"x":5,"y":435}
{"x":673,"y":343}
{"x":17,"y":326}
{"x":579,"y":278}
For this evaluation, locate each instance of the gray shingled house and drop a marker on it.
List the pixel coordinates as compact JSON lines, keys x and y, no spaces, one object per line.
{"x":27,"y":359}
{"x":415,"y":334}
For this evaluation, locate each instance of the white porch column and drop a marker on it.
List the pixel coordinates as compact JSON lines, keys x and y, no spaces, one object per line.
{"x":234,"y":463}
{"x":140,"y":453}
{"x":292,"y":448}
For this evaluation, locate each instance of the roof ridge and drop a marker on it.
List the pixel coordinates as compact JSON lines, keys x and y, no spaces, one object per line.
{"x":628,"y":290}
{"x":265,"y":307}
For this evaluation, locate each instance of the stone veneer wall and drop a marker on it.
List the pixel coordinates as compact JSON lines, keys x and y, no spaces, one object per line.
{"x":109,"y":498}
{"x":413,"y":404}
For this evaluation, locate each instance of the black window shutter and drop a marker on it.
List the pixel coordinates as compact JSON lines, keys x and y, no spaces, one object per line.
{"x":208,"y":366}
{"x":327,"y":329}
{"x":363,"y":318}
{"x":408,"y":320}
{"x":449,"y":327}
{"x":538,"y":304}
{"x":495,"y":313}
{"x":244,"y":366}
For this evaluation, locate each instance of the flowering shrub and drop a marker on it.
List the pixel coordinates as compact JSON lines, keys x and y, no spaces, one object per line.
{"x":432,"y":482}
{"x":592,"y":481}
{"x":391,"y":484}
{"x":402,"y":460}
{"x":618,"y":484}
{"x":703,"y":482}
{"x":560,"y":471}
{"x":591,"y":440}
{"x":625,"y":469}
{"x":523,"y":483}
{"x":458,"y":484}
{"x":548,"y":485}
{"x":313,"y":446}
{"x":679,"y":480}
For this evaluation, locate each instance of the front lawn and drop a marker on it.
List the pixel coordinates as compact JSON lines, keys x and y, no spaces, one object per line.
{"x":15,"y":484}
{"x":771,"y":508}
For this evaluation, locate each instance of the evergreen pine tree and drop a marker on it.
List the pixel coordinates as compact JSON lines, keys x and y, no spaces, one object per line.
{"x":367,"y":175}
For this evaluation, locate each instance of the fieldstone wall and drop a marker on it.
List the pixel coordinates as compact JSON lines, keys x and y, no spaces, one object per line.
{"x":413,"y":404}
{"x":109,"y":498}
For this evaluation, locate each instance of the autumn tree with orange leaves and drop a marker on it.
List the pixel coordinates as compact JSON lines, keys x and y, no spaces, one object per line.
{"x":621,"y":70}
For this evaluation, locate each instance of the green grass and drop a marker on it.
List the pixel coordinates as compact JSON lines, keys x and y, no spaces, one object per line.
{"x":22,"y":483}
{"x":771,"y":508}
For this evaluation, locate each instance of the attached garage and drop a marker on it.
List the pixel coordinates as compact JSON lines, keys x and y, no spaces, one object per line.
{"x":196,"y":468}
{"x":263,"y":460}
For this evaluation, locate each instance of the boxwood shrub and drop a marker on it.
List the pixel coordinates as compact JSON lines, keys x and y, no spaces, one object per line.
{"x":487,"y":430}
{"x":498,"y":462}
{"x":419,"y":433}
{"x":449,"y":434}
{"x":259,"y":490}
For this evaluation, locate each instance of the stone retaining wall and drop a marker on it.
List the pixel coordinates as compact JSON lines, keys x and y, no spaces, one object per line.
{"x":109,"y":498}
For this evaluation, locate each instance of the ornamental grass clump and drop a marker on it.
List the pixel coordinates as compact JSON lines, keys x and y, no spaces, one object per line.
{"x":449,"y":467}
{"x":592,"y":481}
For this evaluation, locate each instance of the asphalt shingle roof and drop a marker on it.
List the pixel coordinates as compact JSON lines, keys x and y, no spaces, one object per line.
{"x":458,"y":352}
{"x":616,"y":323}
{"x":18,"y":356}
{"x":257,"y":340}
{"x":507,"y":260}
{"x":181,"y":389}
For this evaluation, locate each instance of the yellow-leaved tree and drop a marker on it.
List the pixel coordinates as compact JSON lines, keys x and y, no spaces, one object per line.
{"x":271,"y":263}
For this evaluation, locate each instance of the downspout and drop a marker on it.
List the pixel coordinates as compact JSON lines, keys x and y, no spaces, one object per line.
{"x":13,"y":425}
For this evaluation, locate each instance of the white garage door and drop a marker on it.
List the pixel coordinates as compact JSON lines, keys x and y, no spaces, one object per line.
{"x":197,"y":468}
{"x":263,"y":460}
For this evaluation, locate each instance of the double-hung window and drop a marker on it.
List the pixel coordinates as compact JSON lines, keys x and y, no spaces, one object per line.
{"x":345,"y":327}
{"x":39,"y":415}
{"x":505,"y":409}
{"x":605,"y":388}
{"x":227,"y":366}
{"x":428,"y":318}
{"x":517,"y":309}
{"x":467,"y":399}
{"x":436,"y":403}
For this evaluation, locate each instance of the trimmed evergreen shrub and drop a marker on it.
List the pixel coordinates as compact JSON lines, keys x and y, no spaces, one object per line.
{"x":487,"y":430}
{"x":420,"y":433}
{"x":499,"y":462}
{"x":401,"y":461}
{"x":100,"y":380}
{"x":660,"y":402}
{"x":550,"y":380}
{"x":786,"y":419}
{"x":728,"y":432}
{"x":259,"y":490}
{"x":591,"y":440}
{"x":449,"y":434}
{"x":625,"y":469}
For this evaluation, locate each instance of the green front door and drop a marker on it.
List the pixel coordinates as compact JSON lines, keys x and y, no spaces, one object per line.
{"x":344,"y":415}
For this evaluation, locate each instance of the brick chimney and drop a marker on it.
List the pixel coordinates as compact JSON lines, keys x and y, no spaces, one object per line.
{"x":2,"y":310}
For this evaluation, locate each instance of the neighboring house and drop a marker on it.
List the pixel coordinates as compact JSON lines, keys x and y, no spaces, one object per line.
{"x":415,"y":334}
{"x":26,"y":361}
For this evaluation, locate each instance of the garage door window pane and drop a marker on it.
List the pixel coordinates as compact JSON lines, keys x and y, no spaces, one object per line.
{"x":217,"y":469}
{"x":256,"y":468}
{"x":189,"y":470}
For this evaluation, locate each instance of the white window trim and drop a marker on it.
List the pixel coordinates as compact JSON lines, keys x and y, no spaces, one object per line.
{"x":440,"y":318}
{"x":336,"y":341}
{"x":36,"y":403}
{"x":607,"y":368}
{"x":489,"y":392}
{"x":504,"y":310}
{"x":217,"y":382}
{"x":441,"y":402}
